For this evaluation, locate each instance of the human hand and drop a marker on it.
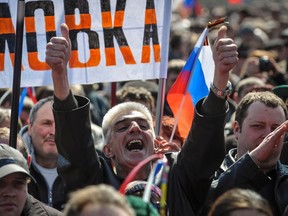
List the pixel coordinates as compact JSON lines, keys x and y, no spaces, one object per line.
{"x":252,"y":67}
{"x":58,"y":51}
{"x":275,"y":68}
{"x":225,"y":56}
{"x":162,"y":146}
{"x":268,"y":152}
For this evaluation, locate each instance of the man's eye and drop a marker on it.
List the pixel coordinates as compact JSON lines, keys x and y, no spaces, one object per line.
{"x":20,"y":183}
{"x":144,"y":127}
{"x":2,"y":184}
{"x":121,"y":129}
{"x":273,"y":128}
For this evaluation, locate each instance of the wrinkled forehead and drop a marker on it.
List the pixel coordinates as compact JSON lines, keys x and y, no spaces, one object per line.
{"x":130,"y":115}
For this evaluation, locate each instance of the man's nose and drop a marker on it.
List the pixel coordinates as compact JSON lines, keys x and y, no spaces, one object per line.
{"x":52,"y":129}
{"x":268,"y":130}
{"x":134,"y":126}
{"x":9,"y":190}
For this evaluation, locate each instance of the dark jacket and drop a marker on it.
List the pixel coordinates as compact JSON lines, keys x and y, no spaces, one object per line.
{"x":244,"y":173}
{"x":39,"y":189}
{"x":34,"y":207}
{"x":192,"y":169}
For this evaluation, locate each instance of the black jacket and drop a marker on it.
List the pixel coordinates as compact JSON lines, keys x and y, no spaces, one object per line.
{"x":34,"y":207}
{"x":244,"y":173}
{"x":192,"y":169}
{"x":39,"y":190}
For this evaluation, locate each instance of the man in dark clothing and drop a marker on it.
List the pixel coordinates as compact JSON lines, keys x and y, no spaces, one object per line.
{"x":130,"y":137}
{"x":39,"y":138}
{"x":260,"y":126}
{"x":14,"y":178}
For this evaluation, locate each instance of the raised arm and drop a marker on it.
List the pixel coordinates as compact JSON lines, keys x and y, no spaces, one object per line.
{"x":225,"y":56}
{"x":58,"y":52}
{"x":204,"y":148}
{"x":72,"y":121}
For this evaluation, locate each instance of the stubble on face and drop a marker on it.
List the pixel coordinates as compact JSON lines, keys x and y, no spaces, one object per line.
{"x":42,"y":133}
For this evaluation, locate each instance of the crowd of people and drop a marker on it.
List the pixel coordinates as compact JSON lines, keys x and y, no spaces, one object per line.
{"x":75,"y":150}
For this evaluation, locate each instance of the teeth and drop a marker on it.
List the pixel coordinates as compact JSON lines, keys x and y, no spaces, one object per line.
{"x":50,"y":140}
{"x":134,"y":141}
{"x":135,"y":150}
{"x":135,"y":145}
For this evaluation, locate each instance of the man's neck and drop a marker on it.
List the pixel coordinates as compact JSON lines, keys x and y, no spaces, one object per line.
{"x":44,"y":162}
{"x":142,"y":174}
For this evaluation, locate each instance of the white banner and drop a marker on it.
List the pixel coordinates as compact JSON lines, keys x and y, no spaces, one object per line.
{"x":112,"y":40}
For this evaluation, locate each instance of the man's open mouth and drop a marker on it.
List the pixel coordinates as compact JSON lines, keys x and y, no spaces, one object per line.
{"x":135,"y":145}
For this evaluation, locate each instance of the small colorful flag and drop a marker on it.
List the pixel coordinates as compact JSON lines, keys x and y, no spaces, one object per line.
{"x":235,"y":1}
{"x":191,"y":7}
{"x":189,"y":3}
{"x":192,"y":84}
{"x":27,"y":91}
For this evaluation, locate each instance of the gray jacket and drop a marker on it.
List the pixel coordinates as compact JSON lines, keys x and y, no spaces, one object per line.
{"x":34,"y":207}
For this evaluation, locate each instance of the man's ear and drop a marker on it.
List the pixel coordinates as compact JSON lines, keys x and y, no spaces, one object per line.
{"x":236,"y":129}
{"x":29,"y":160}
{"x":235,"y":97}
{"x":107,"y":150}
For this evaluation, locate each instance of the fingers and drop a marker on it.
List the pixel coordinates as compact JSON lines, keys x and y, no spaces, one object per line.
{"x":58,"y":50}
{"x":273,"y":141}
{"x":60,"y":43}
{"x":280,"y":131}
{"x":225,"y":53}
{"x":65,"y":31}
{"x":268,"y":152}
{"x":228,"y":55}
{"x":162,"y":146}
{"x":55,"y":50}
{"x":222,"y":33}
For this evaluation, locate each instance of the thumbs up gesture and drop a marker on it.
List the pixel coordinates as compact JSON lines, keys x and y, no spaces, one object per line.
{"x":225,"y":56}
{"x":58,"y":51}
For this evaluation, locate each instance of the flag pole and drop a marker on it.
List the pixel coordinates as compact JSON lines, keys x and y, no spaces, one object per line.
{"x":163,"y":67}
{"x":17,"y":73}
{"x":113,"y":94}
{"x":160,"y":105}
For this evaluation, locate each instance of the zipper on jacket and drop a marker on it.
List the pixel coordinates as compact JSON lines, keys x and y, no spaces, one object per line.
{"x":50,"y":198}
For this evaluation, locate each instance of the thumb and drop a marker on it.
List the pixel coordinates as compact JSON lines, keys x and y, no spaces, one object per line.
{"x":65,"y":31}
{"x":222,"y":32}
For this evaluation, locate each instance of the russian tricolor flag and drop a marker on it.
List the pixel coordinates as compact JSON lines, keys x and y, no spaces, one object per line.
{"x":192,"y":84}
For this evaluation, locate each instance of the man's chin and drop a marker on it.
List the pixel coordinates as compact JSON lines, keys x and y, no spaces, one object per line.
{"x":52,"y":152}
{"x":136,"y":155}
{"x":50,"y":143}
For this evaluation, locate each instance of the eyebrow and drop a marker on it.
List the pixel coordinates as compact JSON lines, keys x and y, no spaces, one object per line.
{"x":130,"y":119}
{"x":21,"y":175}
